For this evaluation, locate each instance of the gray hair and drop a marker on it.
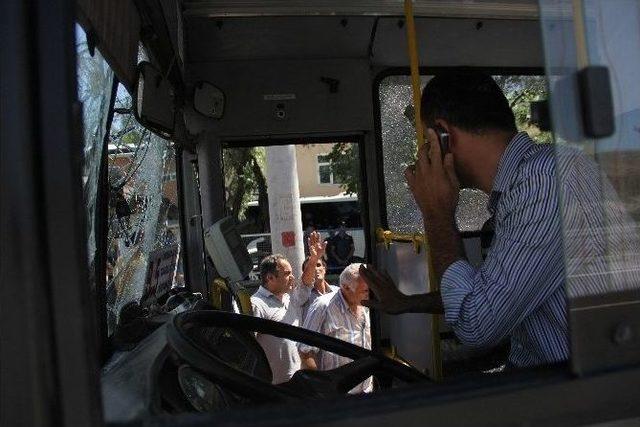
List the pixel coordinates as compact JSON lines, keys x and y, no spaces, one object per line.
{"x":350,"y":275}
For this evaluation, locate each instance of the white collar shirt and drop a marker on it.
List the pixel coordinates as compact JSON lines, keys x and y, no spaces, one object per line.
{"x":330,"y":315}
{"x":281,"y":353}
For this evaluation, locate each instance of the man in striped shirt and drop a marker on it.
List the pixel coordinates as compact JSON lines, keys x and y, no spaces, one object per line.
{"x":340,"y":315}
{"x":320,"y":285}
{"x":518,"y":291}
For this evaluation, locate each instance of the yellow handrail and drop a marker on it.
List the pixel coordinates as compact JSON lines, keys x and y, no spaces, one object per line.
{"x":436,"y":367}
{"x":412,"y":44}
{"x":388,"y":236}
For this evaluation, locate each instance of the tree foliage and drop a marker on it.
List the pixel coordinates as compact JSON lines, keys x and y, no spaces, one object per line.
{"x":521,"y":91}
{"x":345,"y":166}
{"x":245,"y":181}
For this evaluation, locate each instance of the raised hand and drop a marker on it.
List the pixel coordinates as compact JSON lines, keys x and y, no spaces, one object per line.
{"x":317,"y":247}
{"x":389,"y":298}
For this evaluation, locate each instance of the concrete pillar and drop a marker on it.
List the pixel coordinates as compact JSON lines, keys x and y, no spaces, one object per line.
{"x":284,"y":205}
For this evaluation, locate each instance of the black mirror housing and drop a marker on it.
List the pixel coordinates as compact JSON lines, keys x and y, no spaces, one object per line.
{"x":153,"y":101}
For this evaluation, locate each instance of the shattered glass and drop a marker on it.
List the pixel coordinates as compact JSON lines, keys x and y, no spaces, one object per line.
{"x":143,"y":210}
{"x":95,"y":80}
{"x":398,"y":149}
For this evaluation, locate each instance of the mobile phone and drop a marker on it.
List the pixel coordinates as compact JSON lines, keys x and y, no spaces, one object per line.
{"x":443,"y":139}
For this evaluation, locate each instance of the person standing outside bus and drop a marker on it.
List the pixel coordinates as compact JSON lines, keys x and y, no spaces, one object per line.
{"x":320,"y":284}
{"x":342,"y":246}
{"x":340,"y":315}
{"x":280,"y":299}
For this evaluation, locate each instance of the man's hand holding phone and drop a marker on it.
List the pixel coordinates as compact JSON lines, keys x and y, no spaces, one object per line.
{"x":433,"y":181}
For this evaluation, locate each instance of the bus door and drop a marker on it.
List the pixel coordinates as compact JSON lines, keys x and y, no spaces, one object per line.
{"x":591,"y":50}
{"x":330,"y":199}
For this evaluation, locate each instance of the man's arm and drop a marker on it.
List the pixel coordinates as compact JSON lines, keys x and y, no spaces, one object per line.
{"x":332,"y":252}
{"x":257,"y":310}
{"x":435,"y":188}
{"x":317,"y":250}
{"x":522,"y":270}
{"x":392,"y":301}
{"x":352,"y":249}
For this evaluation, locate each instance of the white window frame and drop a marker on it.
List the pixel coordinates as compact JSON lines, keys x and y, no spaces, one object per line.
{"x":319,"y":164}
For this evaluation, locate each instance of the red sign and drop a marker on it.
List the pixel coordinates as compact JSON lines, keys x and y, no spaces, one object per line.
{"x":288,"y":239}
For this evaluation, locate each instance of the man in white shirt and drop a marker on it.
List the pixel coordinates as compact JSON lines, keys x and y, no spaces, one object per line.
{"x":340,"y":315}
{"x":280,"y":299}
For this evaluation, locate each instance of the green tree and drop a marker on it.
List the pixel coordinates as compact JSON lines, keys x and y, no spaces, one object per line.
{"x":345,"y":166}
{"x":521,"y":91}
{"x":245,"y":181}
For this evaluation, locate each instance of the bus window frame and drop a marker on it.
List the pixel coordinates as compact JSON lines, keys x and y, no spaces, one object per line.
{"x":102,"y":234}
{"x":106,"y":340}
{"x":377,"y":117}
{"x":349,"y":137}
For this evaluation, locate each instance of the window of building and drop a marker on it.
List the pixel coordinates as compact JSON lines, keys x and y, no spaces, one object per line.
{"x":325,"y":174}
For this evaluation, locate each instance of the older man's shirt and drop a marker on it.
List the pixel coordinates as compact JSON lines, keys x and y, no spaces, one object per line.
{"x":520,"y":290}
{"x":330,"y":315}
{"x":281,"y":353}
{"x":315,"y":295}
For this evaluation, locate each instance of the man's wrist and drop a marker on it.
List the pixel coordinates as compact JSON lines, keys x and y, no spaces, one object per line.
{"x":446,"y":243}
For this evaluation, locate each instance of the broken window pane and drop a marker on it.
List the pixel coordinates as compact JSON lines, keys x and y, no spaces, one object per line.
{"x":95,"y":81}
{"x":399,"y":147}
{"x":143,"y":213}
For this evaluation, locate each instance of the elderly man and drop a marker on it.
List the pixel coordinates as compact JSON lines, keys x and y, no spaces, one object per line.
{"x":340,"y":315}
{"x":280,"y":299}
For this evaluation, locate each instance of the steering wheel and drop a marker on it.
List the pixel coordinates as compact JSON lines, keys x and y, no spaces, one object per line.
{"x":250,"y":375}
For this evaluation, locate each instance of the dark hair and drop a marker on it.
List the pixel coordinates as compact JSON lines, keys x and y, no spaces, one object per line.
{"x":306,"y":260}
{"x":469,"y":99}
{"x":269,"y":264}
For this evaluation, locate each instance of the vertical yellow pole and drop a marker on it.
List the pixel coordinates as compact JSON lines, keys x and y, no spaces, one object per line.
{"x":436,"y":357}
{"x":580,"y":34}
{"x":415,"y":72}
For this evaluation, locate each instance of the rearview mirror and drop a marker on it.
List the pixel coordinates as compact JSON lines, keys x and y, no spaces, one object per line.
{"x":208,"y":100}
{"x":153,"y":103}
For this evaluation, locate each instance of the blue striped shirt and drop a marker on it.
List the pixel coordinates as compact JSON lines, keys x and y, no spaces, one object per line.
{"x":519,"y":289}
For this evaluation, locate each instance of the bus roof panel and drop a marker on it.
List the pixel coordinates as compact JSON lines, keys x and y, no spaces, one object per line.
{"x":513,"y":9}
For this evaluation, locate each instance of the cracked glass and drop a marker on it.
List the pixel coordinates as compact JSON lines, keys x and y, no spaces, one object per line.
{"x":399,"y":147}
